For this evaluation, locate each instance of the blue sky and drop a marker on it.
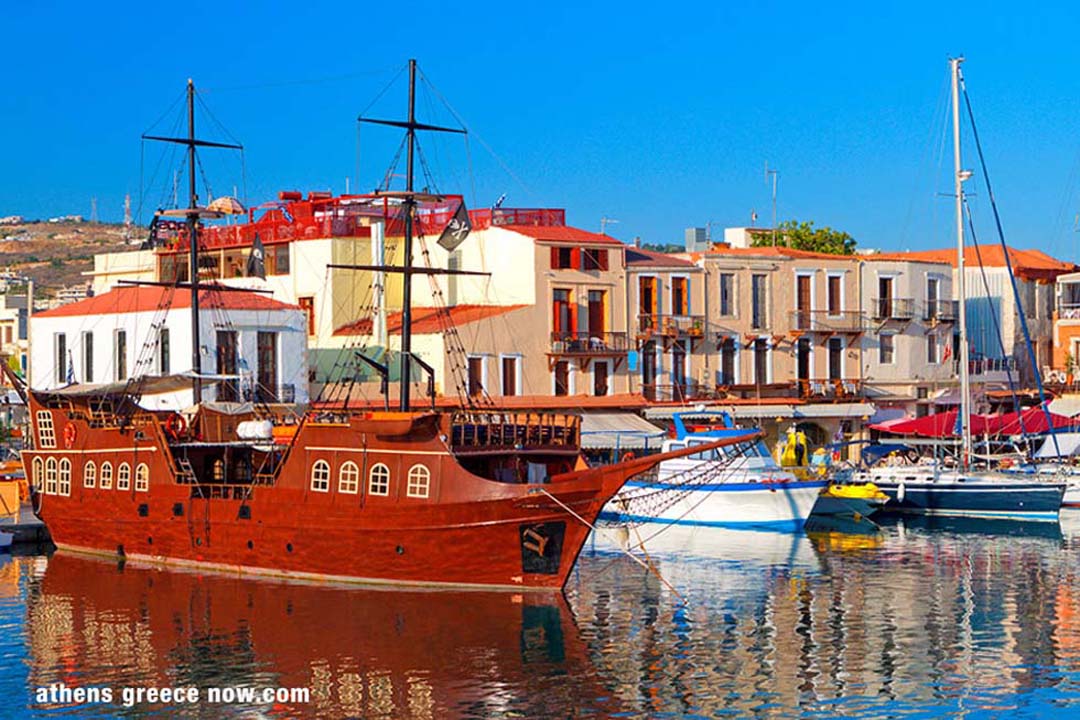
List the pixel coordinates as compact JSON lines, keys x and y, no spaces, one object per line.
{"x":661,"y":116}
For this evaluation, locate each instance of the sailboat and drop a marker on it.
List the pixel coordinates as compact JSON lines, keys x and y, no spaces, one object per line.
{"x":958,"y":489}
{"x":413,"y":496}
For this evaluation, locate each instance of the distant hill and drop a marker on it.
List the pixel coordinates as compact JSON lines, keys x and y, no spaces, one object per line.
{"x":55,"y":255}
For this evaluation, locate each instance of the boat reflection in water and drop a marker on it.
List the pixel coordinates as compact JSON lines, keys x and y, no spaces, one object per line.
{"x":908,"y":620}
{"x":361,"y":652}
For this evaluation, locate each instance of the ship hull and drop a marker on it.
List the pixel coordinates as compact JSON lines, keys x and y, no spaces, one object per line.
{"x":999,"y":495}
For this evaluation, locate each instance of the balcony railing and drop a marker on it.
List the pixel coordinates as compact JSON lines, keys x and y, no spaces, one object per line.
{"x":941,"y":310}
{"x":585,"y":343}
{"x":893,"y":308}
{"x":1069,"y":311}
{"x":830,"y":389}
{"x":671,"y":325}
{"x":980,"y":366}
{"x":824,"y":321}
{"x":679,"y":392}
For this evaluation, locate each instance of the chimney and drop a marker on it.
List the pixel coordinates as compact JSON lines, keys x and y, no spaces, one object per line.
{"x":637,"y":241}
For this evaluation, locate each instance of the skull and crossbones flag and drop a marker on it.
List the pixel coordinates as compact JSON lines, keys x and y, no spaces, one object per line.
{"x":456,"y":230}
{"x":256,"y":262}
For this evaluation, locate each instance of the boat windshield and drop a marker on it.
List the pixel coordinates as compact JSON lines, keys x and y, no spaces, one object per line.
{"x":744,"y":450}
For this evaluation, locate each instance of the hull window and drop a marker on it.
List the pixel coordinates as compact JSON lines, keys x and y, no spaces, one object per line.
{"x":379,"y":480}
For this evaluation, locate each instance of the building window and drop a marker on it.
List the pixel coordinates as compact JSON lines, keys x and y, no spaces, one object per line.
{"x":758,"y":298}
{"x":601,"y":378}
{"x":886,"y":348}
{"x":511,"y":365}
{"x":349,"y":478}
{"x":65,"y":478}
{"x":228,"y":390}
{"x":379,"y":480}
{"x":89,"y":475}
{"x":419,"y":482}
{"x":562,"y":258}
{"x":836,"y":359}
{"x":120,"y":355}
{"x":46,"y":432}
{"x":279,"y":264}
{"x":648,"y":301}
{"x":142,"y":478}
{"x":561,"y":374}
{"x":931,"y":349}
{"x":727,"y":294}
{"x":61,"y":358}
{"x":680,"y":296}
{"x":106,"y":476}
{"x":267,"y":372}
{"x":761,"y":361}
{"x":307,"y":304}
{"x":163,"y":351}
{"x":88,"y":357}
{"x":727,"y":361}
{"x":320,"y":476}
{"x":932,"y":288}
{"x":50,"y":476}
{"x":834,"y":302}
{"x":476,"y":376}
{"x":563,"y":312}
{"x":594,"y":259}
{"x":597,"y":325}
{"x":37,"y":473}
{"x":123,"y":477}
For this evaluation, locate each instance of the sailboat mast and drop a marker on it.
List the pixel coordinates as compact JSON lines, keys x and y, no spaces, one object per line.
{"x":193,"y":252}
{"x":410,"y":205}
{"x":960,"y":176}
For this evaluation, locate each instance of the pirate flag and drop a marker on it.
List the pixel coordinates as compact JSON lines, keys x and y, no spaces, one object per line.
{"x":256,"y":262}
{"x":456,"y":230}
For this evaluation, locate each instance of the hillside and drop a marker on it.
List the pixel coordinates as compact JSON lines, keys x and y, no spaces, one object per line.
{"x":55,"y":255}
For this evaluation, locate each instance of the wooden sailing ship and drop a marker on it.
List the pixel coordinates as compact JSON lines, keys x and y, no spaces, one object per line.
{"x":407,"y":496}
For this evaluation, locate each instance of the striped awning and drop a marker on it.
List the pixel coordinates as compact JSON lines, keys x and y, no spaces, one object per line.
{"x":606,"y":431}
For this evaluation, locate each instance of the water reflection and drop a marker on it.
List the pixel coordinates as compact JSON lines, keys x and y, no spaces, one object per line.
{"x":926,"y":617}
{"x":363,"y":653}
{"x":932,"y":617}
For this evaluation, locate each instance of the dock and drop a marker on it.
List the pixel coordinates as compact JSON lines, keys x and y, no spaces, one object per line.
{"x":27,"y":528}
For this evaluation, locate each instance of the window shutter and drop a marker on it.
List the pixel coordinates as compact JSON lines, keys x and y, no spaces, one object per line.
{"x":575,"y":258}
{"x":554,"y":258}
{"x":602,"y":259}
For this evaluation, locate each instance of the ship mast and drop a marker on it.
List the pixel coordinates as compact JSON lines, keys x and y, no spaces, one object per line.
{"x":192,"y":214}
{"x":409,"y":203}
{"x":960,"y":176}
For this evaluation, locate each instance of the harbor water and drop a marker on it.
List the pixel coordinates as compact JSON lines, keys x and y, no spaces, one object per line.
{"x":922,"y":619}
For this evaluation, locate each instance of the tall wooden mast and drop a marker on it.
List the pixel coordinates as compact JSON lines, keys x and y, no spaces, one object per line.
{"x":409,"y":203}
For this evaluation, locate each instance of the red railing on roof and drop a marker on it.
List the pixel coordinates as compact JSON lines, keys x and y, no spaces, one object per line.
{"x":322,"y":216}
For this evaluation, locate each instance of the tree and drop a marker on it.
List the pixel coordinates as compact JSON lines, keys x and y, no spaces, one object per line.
{"x":804,"y":236}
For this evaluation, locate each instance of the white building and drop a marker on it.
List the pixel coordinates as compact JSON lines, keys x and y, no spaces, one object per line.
{"x":258,"y":342}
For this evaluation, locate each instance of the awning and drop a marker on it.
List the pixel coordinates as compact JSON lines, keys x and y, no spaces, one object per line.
{"x":146,"y":385}
{"x":605,"y":431}
{"x":1029,"y":421}
{"x":834,"y":410}
{"x":1067,"y":442}
{"x":758,"y":412}
{"x":887,"y":414}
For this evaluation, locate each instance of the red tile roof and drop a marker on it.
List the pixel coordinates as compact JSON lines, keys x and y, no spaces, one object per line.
{"x":425,"y":320}
{"x":562,"y":234}
{"x":1028,"y":264}
{"x":141,"y":298}
{"x":641,"y":258}
{"x":770,"y":251}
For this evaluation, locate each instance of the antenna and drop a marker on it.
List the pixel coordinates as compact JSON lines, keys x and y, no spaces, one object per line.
{"x":93,"y":209}
{"x":775,"y":175}
{"x":604,"y":222}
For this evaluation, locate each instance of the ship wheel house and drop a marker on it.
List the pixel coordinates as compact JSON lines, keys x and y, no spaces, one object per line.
{"x":113,"y":372}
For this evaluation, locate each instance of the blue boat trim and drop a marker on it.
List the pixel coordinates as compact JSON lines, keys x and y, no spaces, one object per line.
{"x":770,"y":524}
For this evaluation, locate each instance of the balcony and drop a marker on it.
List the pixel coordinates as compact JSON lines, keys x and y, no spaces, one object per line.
{"x":842,"y":389}
{"x":672,"y":326}
{"x":941,"y":310}
{"x":1068,"y":311}
{"x":986,"y":366}
{"x":885,"y":309}
{"x":588,"y":343}
{"x":679,"y":392}
{"x":846,"y":321}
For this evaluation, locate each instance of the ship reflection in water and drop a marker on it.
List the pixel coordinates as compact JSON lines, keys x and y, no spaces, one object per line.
{"x":933,"y":618}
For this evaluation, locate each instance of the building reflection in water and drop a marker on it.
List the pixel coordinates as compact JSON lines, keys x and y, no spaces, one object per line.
{"x":362,"y":653}
{"x":955,"y":615}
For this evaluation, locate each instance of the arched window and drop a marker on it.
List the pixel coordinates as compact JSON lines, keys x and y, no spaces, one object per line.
{"x":419,"y":481}
{"x":50,"y":476}
{"x":320,"y":476}
{"x":89,"y":475}
{"x":65,"y":477}
{"x":106,"y":476}
{"x":123,"y":477}
{"x":142,"y":478}
{"x":349,"y":478}
{"x":379,"y":480}
{"x":38,"y":473}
